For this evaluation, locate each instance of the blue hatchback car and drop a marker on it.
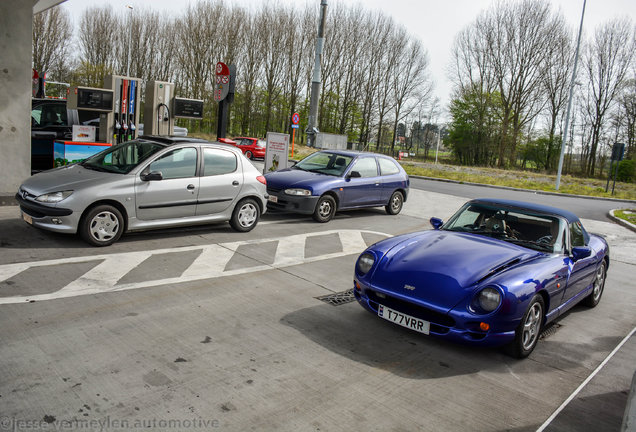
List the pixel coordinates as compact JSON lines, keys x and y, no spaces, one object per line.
{"x":332,"y":180}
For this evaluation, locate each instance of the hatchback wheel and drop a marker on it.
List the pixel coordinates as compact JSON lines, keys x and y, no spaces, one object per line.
{"x":527,"y":334}
{"x":102,"y":225}
{"x":395,"y":203}
{"x":325,"y":209}
{"x":249,"y":155}
{"x":245,"y":215}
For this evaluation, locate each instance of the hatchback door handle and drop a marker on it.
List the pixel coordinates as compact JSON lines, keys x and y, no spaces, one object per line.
{"x":235,"y":183}
{"x":190,"y":187}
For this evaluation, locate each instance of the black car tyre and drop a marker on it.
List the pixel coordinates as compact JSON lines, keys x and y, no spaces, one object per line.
{"x":249,"y":155}
{"x":599,"y":284}
{"x":395,"y":203}
{"x":325,"y":209}
{"x":102,"y":225}
{"x":245,"y":215}
{"x":527,"y":334}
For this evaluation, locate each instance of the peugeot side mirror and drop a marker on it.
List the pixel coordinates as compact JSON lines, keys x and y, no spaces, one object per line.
{"x":152,"y":176}
{"x":354,"y":174}
{"x":580,"y":252}
{"x":436,"y":223}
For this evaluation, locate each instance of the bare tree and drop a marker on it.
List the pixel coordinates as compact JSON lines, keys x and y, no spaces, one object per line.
{"x":249,"y":74}
{"x":607,"y":61}
{"x":98,"y":32}
{"x":556,"y":79}
{"x":411,"y":83}
{"x":51,"y":38}
{"x":628,"y":107}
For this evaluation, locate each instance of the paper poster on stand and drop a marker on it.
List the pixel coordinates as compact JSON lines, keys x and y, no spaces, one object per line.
{"x":276,"y":153}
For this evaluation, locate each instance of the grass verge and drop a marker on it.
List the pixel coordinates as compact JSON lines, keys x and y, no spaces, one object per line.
{"x":628,"y":215}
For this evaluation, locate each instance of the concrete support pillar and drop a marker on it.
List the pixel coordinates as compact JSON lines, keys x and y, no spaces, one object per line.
{"x":16,"y":22}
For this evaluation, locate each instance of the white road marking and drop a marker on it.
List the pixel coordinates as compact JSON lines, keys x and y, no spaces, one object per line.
{"x":210,"y":263}
{"x":584,"y":383}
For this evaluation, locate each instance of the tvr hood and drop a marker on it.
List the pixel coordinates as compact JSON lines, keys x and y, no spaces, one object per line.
{"x":441,"y":267}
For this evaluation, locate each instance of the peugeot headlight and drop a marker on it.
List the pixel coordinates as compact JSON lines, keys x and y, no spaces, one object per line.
{"x":54,"y":197}
{"x":488,"y":299}
{"x":298,"y":192}
{"x":365,"y":262}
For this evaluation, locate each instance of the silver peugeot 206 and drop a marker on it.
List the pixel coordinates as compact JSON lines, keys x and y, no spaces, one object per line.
{"x":150,"y":182}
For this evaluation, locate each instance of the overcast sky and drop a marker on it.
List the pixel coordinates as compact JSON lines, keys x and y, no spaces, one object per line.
{"x":434,"y":22}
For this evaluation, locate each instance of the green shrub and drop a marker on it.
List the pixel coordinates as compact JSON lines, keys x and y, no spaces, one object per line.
{"x":626,"y":171}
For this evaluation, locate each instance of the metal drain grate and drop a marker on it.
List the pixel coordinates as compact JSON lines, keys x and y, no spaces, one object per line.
{"x":549,"y":331}
{"x":337,"y":299}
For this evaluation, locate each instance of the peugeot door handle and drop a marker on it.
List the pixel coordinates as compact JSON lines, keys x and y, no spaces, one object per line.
{"x":190,"y":187}
{"x":235,"y":183}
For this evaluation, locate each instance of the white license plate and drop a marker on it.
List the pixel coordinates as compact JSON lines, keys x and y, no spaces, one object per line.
{"x":404,"y":320}
{"x":272,"y":198}
{"x":28,"y":219}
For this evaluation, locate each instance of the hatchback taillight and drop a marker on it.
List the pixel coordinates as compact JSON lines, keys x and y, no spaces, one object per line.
{"x":261,"y":179}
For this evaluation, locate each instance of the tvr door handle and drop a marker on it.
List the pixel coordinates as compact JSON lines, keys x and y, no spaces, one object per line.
{"x":235,"y":183}
{"x":190,"y":187}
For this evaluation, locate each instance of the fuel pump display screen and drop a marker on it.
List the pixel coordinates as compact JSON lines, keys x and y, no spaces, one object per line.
{"x":84,"y":98}
{"x":188,"y":108}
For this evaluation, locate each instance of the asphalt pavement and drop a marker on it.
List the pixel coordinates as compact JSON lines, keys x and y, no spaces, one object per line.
{"x":204,"y":328}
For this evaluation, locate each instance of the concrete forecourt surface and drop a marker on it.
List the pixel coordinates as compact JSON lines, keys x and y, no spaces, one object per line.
{"x":208,"y":329}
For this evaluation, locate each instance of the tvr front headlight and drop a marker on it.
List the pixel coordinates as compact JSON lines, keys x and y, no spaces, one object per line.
{"x":54,"y":197}
{"x":298,"y":192}
{"x":365,"y":262}
{"x":487,"y":300}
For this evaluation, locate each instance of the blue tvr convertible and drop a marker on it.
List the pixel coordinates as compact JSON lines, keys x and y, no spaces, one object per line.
{"x":494,"y":274}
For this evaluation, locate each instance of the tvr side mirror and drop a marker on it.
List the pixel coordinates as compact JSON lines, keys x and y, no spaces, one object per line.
{"x":580,"y":252}
{"x":436,"y":223}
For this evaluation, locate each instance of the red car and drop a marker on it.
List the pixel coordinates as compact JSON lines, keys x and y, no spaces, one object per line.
{"x":251,"y":147}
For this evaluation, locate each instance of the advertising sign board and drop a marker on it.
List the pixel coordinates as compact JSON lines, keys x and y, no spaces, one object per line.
{"x":84,"y":133}
{"x":276,"y":153}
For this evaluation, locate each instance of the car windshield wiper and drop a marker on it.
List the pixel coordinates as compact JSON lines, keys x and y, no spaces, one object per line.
{"x":96,"y":167}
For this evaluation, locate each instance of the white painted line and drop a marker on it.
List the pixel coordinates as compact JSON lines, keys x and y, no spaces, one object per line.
{"x":210,"y":263}
{"x":584,"y":383}
{"x":212,"y":260}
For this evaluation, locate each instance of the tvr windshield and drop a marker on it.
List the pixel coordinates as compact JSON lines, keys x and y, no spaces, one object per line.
{"x":545,"y":233}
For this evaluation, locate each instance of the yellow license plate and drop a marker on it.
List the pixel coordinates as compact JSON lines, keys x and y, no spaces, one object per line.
{"x":28,"y":219}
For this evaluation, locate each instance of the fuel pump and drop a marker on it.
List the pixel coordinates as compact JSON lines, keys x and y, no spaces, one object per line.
{"x":158,"y":119}
{"x":121,"y":124}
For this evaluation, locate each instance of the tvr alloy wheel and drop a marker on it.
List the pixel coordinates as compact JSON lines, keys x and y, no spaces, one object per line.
{"x":599,"y":284}
{"x":527,"y":334}
{"x":245,"y":215}
{"x":102,"y":225}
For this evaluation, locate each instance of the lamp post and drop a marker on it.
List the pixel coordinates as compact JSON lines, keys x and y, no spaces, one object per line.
{"x":312,"y":122}
{"x":567,"y":116}
{"x":129,"y":40}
